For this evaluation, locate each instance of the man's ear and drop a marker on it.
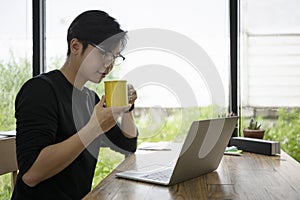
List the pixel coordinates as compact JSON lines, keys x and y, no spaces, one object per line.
{"x":75,"y":46}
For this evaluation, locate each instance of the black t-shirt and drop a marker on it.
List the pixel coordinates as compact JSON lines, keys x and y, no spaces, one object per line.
{"x":50,"y":110}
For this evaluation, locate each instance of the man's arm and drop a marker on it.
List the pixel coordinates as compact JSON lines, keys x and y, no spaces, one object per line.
{"x":123,"y":137}
{"x":54,"y":158}
{"x":128,"y":126}
{"x":119,"y":141}
{"x":38,"y":157}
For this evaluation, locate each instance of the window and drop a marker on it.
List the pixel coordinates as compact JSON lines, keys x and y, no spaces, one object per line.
{"x":270,"y":49}
{"x":16,"y":55}
{"x":203,"y":23}
{"x":270,"y":68}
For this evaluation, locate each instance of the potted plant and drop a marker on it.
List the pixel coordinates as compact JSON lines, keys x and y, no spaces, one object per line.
{"x":254,"y":130}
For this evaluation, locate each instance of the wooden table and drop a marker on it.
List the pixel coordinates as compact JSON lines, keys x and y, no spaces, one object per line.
{"x":8,"y":160}
{"x":250,"y":176}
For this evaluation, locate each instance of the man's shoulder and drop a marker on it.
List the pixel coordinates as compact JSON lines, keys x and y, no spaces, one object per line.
{"x":35,"y":83}
{"x":39,"y":85}
{"x":52,"y":76}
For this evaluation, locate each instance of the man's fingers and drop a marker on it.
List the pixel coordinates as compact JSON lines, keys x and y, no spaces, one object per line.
{"x":120,"y":109}
{"x":102,"y":101}
{"x":129,"y":86}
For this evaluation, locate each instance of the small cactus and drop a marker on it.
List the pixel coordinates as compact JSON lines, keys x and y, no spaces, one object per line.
{"x":254,"y":125}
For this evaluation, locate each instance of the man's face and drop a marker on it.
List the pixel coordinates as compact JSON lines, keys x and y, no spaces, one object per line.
{"x":97,"y":63}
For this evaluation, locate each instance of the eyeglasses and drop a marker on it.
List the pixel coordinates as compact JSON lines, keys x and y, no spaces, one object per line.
{"x":109,"y":57}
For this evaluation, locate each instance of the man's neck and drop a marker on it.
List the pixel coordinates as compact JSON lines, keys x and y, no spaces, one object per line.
{"x":70,"y":71}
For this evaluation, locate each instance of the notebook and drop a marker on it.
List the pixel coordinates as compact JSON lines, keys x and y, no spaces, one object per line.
{"x":200,"y":153}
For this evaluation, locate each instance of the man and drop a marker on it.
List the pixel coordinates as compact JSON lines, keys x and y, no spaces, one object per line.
{"x":61,"y":124}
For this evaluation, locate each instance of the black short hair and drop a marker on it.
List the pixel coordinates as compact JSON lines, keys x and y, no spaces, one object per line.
{"x":96,"y":26}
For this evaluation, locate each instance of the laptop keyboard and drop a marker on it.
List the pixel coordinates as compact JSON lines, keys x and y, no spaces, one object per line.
{"x":160,"y":176}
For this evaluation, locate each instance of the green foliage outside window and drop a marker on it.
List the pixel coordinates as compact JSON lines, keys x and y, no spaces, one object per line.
{"x":12,"y":76}
{"x":286,"y":129}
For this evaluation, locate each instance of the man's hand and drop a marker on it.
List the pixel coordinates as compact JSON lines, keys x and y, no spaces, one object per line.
{"x":105,"y":118}
{"x":132,"y":95}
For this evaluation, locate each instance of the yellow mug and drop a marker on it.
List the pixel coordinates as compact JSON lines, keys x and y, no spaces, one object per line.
{"x":116,"y":93}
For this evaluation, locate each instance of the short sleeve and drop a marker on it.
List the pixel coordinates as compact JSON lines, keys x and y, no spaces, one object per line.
{"x":36,"y":121}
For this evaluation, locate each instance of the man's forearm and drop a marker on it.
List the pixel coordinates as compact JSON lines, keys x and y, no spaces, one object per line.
{"x":54,"y":158}
{"x":128,"y":126}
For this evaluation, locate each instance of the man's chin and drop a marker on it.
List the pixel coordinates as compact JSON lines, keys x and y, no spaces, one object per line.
{"x":96,"y":81}
{"x":99,"y":81}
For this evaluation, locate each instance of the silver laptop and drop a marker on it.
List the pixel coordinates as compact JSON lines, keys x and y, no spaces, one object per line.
{"x":200,"y":153}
